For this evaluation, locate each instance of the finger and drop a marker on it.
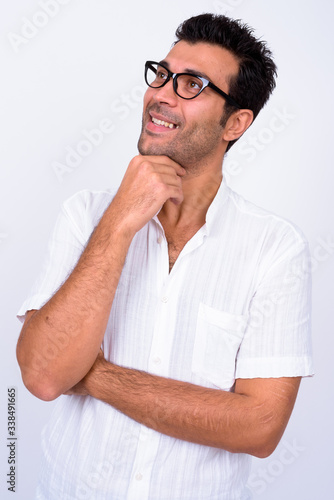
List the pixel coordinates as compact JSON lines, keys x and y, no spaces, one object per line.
{"x":176,"y":195}
{"x":176,"y":201}
{"x":165,"y":160}
{"x":170,"y":178}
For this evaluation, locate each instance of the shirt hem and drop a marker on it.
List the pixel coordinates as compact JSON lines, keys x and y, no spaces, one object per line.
{"x":275,"y":367}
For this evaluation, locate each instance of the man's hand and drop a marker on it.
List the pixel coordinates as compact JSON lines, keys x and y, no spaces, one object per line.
{"x":147,"y":184}
{"x":76,"y":316}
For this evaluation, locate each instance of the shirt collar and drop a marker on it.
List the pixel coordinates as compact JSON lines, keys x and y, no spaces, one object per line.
{"x":216,"y":207}
{"x":214,"y":210}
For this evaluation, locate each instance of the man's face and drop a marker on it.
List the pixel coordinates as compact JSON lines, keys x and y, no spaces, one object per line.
{"x":196,"y":140}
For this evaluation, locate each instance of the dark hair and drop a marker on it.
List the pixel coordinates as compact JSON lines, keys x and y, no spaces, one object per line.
{"x":257,"y":71}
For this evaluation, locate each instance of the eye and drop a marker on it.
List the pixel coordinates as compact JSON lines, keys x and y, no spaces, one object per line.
{"x":194,"y":84}
{"x":161,"y":74}
{"x":189,"y":85}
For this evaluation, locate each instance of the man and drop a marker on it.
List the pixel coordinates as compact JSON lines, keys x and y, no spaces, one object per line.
{"x":199,"y":299}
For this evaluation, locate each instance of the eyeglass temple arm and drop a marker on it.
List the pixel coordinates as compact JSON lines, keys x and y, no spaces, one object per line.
{"x":226,"y":96}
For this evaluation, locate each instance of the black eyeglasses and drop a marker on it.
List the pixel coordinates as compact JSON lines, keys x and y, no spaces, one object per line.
{"x":185,"y":85}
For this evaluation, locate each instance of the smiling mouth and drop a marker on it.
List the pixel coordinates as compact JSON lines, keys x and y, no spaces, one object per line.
{"x":163,"y":123}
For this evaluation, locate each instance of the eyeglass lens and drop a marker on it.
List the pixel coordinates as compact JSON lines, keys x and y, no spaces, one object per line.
{"x":187,"y":86}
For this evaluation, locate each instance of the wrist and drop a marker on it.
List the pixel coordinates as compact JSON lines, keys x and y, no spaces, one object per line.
{"x":95,"y":381}
{"x":119,"y":226}
{"x":124,"y":233}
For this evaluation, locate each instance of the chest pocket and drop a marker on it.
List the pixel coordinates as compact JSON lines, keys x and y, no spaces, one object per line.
{"x":218,"y":338}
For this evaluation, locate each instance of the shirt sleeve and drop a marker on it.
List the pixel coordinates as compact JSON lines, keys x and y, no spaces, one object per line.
{"x":64,"y":249}
{"x":277,"y":340}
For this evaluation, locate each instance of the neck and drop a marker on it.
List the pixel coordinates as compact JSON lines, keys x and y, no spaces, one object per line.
{"x":199,"y":191}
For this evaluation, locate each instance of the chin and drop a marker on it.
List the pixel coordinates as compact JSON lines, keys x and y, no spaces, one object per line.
{"x":149,"y":148}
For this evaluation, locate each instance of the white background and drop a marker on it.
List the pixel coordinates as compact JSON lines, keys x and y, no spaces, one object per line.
{"x":85,"y":65}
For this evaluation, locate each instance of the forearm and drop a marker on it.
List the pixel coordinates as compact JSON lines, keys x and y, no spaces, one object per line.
{"x":226,"y":420}
{"x":71,"y":325}
{"x":75,"y":318}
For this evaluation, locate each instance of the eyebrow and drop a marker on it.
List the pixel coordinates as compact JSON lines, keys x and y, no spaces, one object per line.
{"x":187,"y":70}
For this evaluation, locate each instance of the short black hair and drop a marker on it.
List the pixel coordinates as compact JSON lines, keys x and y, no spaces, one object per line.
{"x":255,"y":81}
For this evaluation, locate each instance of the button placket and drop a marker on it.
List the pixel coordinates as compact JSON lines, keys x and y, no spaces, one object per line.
{"x":147,"y":448}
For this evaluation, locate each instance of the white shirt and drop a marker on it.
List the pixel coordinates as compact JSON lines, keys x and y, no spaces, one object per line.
{"x":236,"y":304}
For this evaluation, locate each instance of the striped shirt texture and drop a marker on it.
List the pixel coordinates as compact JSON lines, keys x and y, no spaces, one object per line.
{"x":235,"y":305}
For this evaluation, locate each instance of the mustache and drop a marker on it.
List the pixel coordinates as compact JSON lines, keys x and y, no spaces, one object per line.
{"x":161,"y":110}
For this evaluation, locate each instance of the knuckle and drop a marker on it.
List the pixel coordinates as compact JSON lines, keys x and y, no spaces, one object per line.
{"x":135,"y":161}
{"x":156,"y":177}
{"x":160,"y":187}
{"x":145,"y":167}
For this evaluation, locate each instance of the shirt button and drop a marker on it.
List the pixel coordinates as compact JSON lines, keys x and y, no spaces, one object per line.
{"x":160,"y":239}
{"x":164,"y":299}
{"x":157,"y":360}
{"x":139,"y":477}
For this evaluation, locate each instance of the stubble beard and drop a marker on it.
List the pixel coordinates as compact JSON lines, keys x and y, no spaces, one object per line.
{"x":192,"y":151}
{"x":192,"y":148}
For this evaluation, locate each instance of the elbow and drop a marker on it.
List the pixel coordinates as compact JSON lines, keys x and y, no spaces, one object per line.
{"x":41,"y":390}
{"x":39,"y":386}
{"x":263,"y":451}
{"x":36,"y":380}
{"x":35,"y":366}
{"x":265,"y":445}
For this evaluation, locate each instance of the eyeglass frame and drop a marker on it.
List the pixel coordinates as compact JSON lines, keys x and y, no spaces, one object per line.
{"x":174,"y":76}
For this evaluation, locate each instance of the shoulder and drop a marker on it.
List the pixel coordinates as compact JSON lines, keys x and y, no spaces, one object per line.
{"x":82,"y":211}
{"x":88,"y":203}
{"x":88,"y":199}
{"x":265,"y":237}
{"x":266,"y":223}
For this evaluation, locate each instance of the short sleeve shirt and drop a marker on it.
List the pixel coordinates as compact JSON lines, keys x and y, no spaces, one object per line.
{"x":236,"y":304}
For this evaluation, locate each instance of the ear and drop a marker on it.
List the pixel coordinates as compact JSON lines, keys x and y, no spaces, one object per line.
{"x":237,"y":124}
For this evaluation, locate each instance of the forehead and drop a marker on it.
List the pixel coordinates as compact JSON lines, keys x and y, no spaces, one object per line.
{"x":215,"y":61}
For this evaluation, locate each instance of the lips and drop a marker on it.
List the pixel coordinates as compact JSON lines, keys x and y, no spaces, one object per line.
{"x":160,"y":122}
{"x":164,"y":123}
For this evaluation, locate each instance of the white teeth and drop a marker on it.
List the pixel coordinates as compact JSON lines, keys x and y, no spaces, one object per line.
{"x":165,"y":124}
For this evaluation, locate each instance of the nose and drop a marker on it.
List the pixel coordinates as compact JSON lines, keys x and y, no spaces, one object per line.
{"x":166,"y":94}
